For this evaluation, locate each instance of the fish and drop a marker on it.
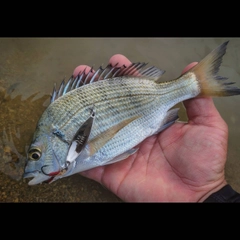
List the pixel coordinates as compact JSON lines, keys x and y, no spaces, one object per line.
{"x":98,"y":118}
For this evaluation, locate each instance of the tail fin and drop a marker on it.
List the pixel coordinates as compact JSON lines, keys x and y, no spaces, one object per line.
{"x":206,"y":70}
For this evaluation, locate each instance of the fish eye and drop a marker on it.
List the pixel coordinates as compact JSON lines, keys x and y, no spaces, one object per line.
{"x":34,"y":154}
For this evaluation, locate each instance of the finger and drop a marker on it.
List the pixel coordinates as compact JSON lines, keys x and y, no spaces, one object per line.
{"x":80,"y":69}
{"x":115,"y":59}
{"x":120,"y":60}
{"x":201,"y":110}
{"x":189,"y":66}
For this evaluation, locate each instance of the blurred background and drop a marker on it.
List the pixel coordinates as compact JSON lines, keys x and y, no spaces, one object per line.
{"x":30,"y":66}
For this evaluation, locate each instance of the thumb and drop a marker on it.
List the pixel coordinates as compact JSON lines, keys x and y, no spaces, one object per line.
{"x":202,"y":110}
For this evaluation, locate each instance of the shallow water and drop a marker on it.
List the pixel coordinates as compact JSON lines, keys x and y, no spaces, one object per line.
{"x":30,"y":66}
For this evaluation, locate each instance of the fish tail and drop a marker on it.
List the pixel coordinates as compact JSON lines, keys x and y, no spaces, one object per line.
{"x":206,"y":74}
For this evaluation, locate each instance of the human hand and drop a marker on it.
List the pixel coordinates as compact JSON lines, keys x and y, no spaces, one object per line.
{"x":183,"y":163}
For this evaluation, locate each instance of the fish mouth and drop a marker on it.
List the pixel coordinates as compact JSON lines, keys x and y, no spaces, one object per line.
{"x":37,"y":177}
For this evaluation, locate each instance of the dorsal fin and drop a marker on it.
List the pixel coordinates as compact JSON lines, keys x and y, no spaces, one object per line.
{"x":134,"y":69}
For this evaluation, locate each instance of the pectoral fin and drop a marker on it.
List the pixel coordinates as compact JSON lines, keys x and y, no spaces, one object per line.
{"x":99,"y":141}
{"x":170,"y":118}
{"x":80,"y":139}
{"x":123,"y":156}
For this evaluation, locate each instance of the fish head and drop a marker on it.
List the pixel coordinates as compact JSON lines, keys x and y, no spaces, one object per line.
{"x":45,"y":158}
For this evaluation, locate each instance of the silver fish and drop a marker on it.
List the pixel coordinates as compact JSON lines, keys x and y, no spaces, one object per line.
{"x":129,"y":103}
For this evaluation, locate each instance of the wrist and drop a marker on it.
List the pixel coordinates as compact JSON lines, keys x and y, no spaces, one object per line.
{"x":214,"y":190}
{"x":224,"y":195}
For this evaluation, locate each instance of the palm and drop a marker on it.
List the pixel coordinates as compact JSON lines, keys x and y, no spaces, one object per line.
{"x":180,"y":164}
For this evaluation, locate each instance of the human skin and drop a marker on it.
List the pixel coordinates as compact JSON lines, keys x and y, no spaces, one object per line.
{"x":184,"y":163}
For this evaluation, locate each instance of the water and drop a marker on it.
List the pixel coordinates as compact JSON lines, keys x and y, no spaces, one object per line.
{"x":30,"y":66}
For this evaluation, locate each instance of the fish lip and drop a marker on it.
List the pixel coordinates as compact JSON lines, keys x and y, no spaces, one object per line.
{"x":30,"y":174}
{"x":38,"y":177}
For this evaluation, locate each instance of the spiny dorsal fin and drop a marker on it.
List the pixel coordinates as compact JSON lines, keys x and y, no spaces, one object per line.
{"x":134,"y":69}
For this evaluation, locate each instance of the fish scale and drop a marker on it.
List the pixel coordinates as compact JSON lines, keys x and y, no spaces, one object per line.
{"x":66,"y":113}
{"x":110,"y":116}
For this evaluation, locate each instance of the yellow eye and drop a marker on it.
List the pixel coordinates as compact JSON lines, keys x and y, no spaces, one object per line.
{"x":34,"y":154}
